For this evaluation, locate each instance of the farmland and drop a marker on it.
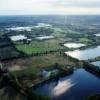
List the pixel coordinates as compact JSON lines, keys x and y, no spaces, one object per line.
{"x":39,"y":46}
{"x":27,"y":58}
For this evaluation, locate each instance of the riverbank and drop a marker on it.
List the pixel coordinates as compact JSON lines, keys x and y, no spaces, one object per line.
{"x":91,"y":68}
{"x":63,"y":71}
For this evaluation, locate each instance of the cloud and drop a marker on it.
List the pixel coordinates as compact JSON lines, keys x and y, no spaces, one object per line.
{"x":49,"y":6}
{"x":79,"y":3}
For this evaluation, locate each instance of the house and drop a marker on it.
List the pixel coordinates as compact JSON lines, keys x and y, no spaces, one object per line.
{"x":48,"y":72}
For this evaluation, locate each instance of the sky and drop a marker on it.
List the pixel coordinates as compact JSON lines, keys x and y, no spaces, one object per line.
{"x":21,"y":7}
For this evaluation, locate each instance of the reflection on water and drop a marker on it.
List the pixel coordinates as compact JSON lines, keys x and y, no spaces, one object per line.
{"x":72,"y":87}
{"x":85,"y":54}
{"x":74,"y":45}
{"x":62,"y":87}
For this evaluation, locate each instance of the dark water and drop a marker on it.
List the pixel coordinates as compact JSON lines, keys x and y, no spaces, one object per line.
{"x":73,"y":87}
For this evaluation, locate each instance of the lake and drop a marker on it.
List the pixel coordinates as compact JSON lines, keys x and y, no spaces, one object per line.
{"x":96,"y":63}
{"x":44,"y":37}
{"x":73,"y":87}
{"x":97,"y":34}
{"x":74,"y":45}
{"x":20,"y":28}
{"x":85,"y":54}
{"x":18,"y":37}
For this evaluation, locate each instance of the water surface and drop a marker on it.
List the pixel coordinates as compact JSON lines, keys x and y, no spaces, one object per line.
{"x":74,"y":45}
{"x":85,"y":54}
{"x":18,"y":37}
{"x":72,"y":87}
{"x":96,"y":63}
{"x":97,"y":34}
{"x":20,"y":28}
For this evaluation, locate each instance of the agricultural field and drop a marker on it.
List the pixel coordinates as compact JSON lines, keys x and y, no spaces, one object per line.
{"x":40,"y":46}
{"x":25,"y":57}
{"x":85,"y":40}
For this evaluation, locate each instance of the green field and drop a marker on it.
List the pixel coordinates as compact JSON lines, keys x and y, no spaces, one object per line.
{"x":85,"y":40}
{"x":39,"y":46}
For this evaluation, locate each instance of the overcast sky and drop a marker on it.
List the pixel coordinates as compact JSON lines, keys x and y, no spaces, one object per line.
{"x":17,"y":7}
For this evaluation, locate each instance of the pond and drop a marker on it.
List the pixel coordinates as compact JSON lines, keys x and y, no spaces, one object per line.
{"x":97,"y":34}
{"x":96,"y":63}
{"x":74,"y":45}
{"x":20,"y":28}
{"x":44,"y":37}
{"x":73,"y":87}
{"x":85,"y":54}
{"x":18,"y":37}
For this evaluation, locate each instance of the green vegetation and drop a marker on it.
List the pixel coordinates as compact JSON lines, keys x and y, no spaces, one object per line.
{"x":32,"y":66}
{"x":35,"y":64}
{"x":7,"y":92}
{"x":39,"y":46}
{"x":8,"y":52}
{"x":85,"y":40}
{"x":40,"y":54}
{"x":91,"y":68}
{"x":4,"y":41}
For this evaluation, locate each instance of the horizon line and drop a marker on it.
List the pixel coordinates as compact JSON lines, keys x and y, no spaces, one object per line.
{"x":49,"y":14}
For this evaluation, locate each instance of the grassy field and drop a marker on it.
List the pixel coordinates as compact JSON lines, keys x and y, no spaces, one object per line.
{"x":85,"y":40}
{"x":39,"y":46}
{"x":33,"y":65}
